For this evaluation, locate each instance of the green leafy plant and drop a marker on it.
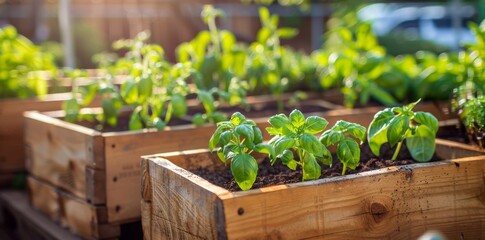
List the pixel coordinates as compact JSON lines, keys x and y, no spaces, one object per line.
{"x":237,"y":139}
{"x":295,"y":134}
{"x":218,"y":59}
{"x":154,"y":89}
{"x":343,"y":134}
{"x":271,"y":66}
{"x":21,"y":66}
{"x":394,"y":125}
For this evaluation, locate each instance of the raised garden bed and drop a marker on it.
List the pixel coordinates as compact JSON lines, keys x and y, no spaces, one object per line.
{"x":102,"y":169}
{"x":393,"y":202}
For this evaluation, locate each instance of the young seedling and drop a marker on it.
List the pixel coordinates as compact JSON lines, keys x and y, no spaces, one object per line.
{"x":394,"y":125}
{"x":295,"y":134}
{"x":237,"y":139}
{"x":348,"y":150}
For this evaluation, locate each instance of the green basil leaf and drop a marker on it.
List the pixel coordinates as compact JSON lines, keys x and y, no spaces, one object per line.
{"x":274,"y":131}
{"x":279,"y":121}
{"x":198,"y":120}
{"x":292,"y":165}
{"x":218,"y":117}
{"x":287,"y":156}
{"x":136,"y":122}
{"x":129,"y":92}
{"x":311,"y":144}
{"x":244,"y":168}
{"x":357,"y":131}
{"x":297,"y":118}
{"x":427,"y":119}
{"x":246,"y":131}
{"x":311,"y":169}
{"x":207,"y":101}
{"x":237,"y":118}
{"x":315,"y":124}
{"x":214,"y":140}
{"x":228,"y":149}
{"x":282,"y":144}
{"x":220,"y":154}
{"x":265,"y":148}
{"x":331,"y":137}
{"x":421,"y":145}
{"x":225,"y":138}
{"x":258,"y":135}
{"x":71,"y":108}
{"x":109,"y":111}
{"x":326,"y":157}
{"x":348,"y":152}
{"x":89,"y":93}
{"x":377,"y":134}
{"x":397,"y":128}
{"x":179,"y":105}
{"x":145,"y":88}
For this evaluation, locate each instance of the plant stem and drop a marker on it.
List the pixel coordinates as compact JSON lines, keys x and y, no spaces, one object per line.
{"x":344,"y":169}
{"x":279,"y":99}
{"x":398,"y":149}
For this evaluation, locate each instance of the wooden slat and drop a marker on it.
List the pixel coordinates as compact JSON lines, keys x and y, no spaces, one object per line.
{"x":80,"y":217}
{"x":146,"y":219}
{"x":25,"y":223}
{"x":123,"y":163}
{"x":85,"y":219}
{"x":405,"y":203}
{"x":60,"y":152}
{"x":187,"y":202}
{"x":44,"y":198}
{"x":396,"y":202}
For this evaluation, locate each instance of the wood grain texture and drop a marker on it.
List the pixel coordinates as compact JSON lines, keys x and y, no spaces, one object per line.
{"x":59,"y":152}
{"x":392,"y":203}
{"x":44,"y":198}
{"x":12,"y":156}
{"x":146,"y":219}
{"x":81,"y":218}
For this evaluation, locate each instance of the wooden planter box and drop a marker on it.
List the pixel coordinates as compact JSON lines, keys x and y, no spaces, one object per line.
{"x":102,"y":170}
{"x":12,"y":157}
{"x":392,"y":203}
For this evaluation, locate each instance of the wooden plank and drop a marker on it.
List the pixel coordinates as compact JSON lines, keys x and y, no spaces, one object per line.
{"x":187,"y":201}
{"x":80,"y":217}
{"x":146,"y":219}
{"x":396,"y":202}
{"x":85,"y":219}
{"x":60,"y":152}
{"x":123,"y":163}
{"x":25,"y":223}
{"x":44,"y":198}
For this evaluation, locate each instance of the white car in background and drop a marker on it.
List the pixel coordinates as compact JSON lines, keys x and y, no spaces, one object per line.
{"x":429,"y":22}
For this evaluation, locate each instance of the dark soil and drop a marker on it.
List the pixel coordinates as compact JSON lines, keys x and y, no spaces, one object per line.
{"x":257,"y":110}
{"x":279,"y":174}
